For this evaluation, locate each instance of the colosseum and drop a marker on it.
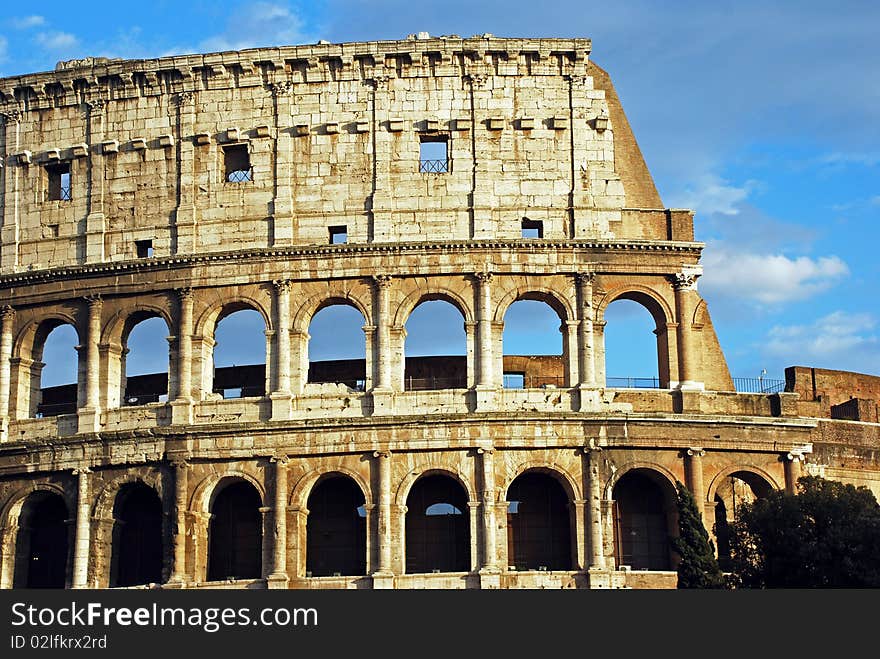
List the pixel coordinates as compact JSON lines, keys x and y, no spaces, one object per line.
{"x":475,"y":172}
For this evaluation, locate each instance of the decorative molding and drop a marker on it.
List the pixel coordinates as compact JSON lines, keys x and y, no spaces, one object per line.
{"x":382,"y":281}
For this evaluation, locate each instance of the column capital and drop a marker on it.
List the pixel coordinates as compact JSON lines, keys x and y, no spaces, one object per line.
{"x":382,"y":454}
{"x":282,"y":285}
{"x":12,"y":115}
{"x":686,"y":280}
{"x":696,"y":452}
{"x":179,"y":463}
{"x":93,"y":300}
{"x":281,"y":88}
{"x":585,"y":278}
{"x":489,"y":450}
{"x":184,"y":294}
{"x":7,"y":312}
{"x":183,"y":98}
{"x":81,"y":471}
{"x":382,"y":281}
{"x":795,"y":456}
{"x":281,"y":460}
{"x":484,"y":276}
{"x":96,"y":105}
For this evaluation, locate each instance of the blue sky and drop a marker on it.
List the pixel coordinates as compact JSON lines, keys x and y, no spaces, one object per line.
{"x":763,"y":117}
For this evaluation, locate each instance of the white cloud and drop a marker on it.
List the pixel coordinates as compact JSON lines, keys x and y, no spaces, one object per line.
{"x":769,"y":278}
{"x":4,"y":45}
{"x":56,"y":40}
{"x":712,"y":194}
{"x":845,"y":339}
{"x":25,"y":22}
{"x":838,"y":158}
{"x":260,"y":24}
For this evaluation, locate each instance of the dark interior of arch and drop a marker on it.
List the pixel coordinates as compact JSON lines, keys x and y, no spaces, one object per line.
{"x":724,"y":515}
{"x":337,"y":345}
{"x":336,"y":530}
{"x":145,"y":335}
{"x":538,"y":524}
{"x":137,"y":537}
{"x":641,"y":529}
{"x":437,"y":526}
{"x":240,"y":352}
{"x":235,"y":534}
{"x":435,"y":347}
{"x":42,"y":543}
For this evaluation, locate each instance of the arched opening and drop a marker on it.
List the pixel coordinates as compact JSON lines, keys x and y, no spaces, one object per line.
{"x":732,"y":492}
{"x":538,"y":523}
{"x":337,"y":347}
{"x":634,"y":343}
{"x":41,"y":549}
{"x":437,"y":526}
{"x":534,"y":345}
{"x":235,"y":533}
{"x":239,"y":353}
{"x":435,"y":348}
{"x":336,"y":530}
{"x":145,"y":361}
{"x":137,"y":536}
{"x":55,"y":370}
{"x":644,"y":521}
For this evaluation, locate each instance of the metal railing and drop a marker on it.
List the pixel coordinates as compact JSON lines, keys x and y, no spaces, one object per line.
{"x":355,"y":385}
{"x":434,"y":166}
{"x":632,"y":383}
{"x":240,"y":175}
{"x":520,"y":381}
{"x":758,"y":385}
{"x":426,"y":384}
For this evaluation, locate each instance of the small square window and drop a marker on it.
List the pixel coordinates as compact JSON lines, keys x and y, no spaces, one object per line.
{"x":237,"y":164}
{"x":338,"y":235}
{"x":433,"y":154}
{"x":59,"y":181}
{"x":143,"y":248}
{"x":532,"y":228}
{"x":514,"y":380}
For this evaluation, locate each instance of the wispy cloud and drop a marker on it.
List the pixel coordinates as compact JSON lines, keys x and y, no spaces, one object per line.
{"x":713,"y":194}
{"x":768,"y":279}
{"x":4,"y":46}
{"x":56,"y":40}
{"x":25,"y":22}
{"x":840,"y":339}
{"x":260,"y":24}
{"x":840,"y":159}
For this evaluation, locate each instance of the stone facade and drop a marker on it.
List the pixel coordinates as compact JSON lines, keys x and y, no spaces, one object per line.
{"x":186,"y":188}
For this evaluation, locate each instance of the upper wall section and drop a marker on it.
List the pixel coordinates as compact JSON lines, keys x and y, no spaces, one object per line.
{"x":111,"y":160}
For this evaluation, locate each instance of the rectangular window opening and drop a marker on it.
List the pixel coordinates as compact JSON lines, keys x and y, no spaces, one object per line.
{"x":433,"y":154}
{"x":514,"y":380}
{"x":338,"y":235}
{"x":237,"y":163}
{"x":143,"y":248}
{"x":59,"y":181}
{"x":532,"y":228}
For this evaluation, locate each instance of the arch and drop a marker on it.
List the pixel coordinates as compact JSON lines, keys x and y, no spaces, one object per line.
{"x":137,"y":547}
{"x":649,"y":298}
{"x":300,"y":493}
{"x":42,"y":542}
{"x":235,"y":531}
{"x":561,"y":474}
{"x":645,"y":518}
{"x":303,"y":315}
{"x":441,"y":361}
{"x":557,"y":302}
{"x":35,"y":332}
{"x":336,"y":528}
{"x":431,"y":469}
{"x":207,"y":488}
{"x":102,"y":508}
{"x":437,"y":525}
{"x":431,"y":294}
{"x":210,"y":317}
{"x":120,"y":324}
{"x":751,"y":470}
{"x":620,"y":472}
{"x":337,"y":329}
{"x":540,"y":521}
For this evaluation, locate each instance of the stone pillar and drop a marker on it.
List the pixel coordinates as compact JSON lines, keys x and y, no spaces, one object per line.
{"x":278,"y":578}
{"x":385,"y":540}
{"x":95,"y":221}
{"x":792,"y":467}
{"x":382,"y":398}
{"x":694,"y":472}
{"x":182,"y":406}
{"x":474,"y":531}
{"x":283,"y":219}
{"x":586,"y":355}
{"x":81,"y":536}
{"x":380,"y":207}
{"x":484,"y":329}
{"x":594,"y":506}
{"x":490,"y":548}
{"x":577,"y":515}
{"x":185,"y":220}
{"x":685,"y":285}
{"x":90,"y":413}
{"x":178,"y":568}
{"x":7,"y":317}
{"x":281,"y":395}
{"x":12,"y":178}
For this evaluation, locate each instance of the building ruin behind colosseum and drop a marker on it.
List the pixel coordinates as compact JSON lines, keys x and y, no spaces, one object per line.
{"x":286,"y":180}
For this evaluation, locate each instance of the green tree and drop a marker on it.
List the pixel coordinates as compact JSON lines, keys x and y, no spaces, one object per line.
{"x":698,"y":567}
{"x":825,"y":536}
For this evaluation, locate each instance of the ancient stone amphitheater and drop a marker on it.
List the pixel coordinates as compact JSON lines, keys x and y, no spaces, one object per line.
{"x":478,"y":171}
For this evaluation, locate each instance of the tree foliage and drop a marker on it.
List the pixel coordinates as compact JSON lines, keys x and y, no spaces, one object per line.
{"x":698,"y":567}
{"x":825,"y":536}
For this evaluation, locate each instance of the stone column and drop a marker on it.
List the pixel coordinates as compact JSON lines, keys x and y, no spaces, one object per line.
{"x":484,"y":329}
{"x":81,"y":537}
{"x":178,"y":568}
{"x":490,"y":549}
{"x":474,"y":531}
{"x":385,"y":540}
{"x":95,"y":224}
{"x":694,"y":473}
{"x":586,"y":355}
{"x":12,"y":179}
{"x":185,"y":219}
{"x":792,"y":466}
{"x":7,"y":317}
{"x":182,"y":406}
{"x":381,"y":394}
{"x":281,"y":395}
{"x":278,"y":578}
{"x":283,"y":220}
{"x":685,"y":285}
{"x":594,"y":506}
{"x":90,"y":413}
